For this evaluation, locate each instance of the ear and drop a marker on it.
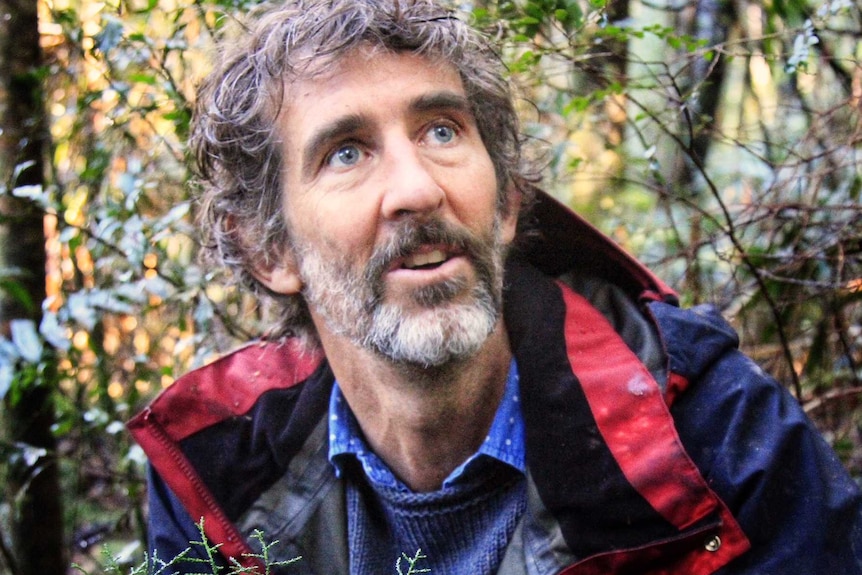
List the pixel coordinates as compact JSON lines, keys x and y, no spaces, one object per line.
{"x":281,"y":278}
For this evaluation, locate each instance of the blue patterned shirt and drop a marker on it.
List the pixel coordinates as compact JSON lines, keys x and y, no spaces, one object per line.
{"x":505,"y":440}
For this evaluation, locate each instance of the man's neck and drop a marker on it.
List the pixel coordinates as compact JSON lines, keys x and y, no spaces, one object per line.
{"x":422,"y":422}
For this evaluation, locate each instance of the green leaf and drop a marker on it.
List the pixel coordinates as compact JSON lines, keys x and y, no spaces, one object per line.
{"x":13,"y":288}
{"x":7,"y":374}
{"x":53,"y":332}
{"x":577,"y":104}
{"x":26,"y":339}
{"x":143,"y":78}
{"x":110,"y":35}
{"x":527,"y":21}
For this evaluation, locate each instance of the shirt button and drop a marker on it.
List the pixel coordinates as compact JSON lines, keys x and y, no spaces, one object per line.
{"x":713,"y":544}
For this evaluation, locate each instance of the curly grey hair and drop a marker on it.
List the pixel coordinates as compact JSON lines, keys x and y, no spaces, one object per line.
{"x":236,"y":148}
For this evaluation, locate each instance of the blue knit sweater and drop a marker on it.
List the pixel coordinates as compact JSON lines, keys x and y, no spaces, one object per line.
{"x":461,"y":529}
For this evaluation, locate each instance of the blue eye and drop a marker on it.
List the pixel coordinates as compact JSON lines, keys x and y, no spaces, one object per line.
{"x":442,"y":133}
{"x":347,"y":155}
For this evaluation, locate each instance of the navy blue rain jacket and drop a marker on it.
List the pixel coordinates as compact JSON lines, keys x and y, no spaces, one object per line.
{"x":653,"y":445}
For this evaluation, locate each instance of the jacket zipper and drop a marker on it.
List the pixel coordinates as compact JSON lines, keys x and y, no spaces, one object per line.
{"x":233,"y":535}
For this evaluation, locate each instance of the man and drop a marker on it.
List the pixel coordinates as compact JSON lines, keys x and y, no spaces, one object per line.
{"x":443,"y":384}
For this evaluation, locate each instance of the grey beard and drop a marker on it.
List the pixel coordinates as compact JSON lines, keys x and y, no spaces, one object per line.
{"x":442,"y":331}
{"x":436,"y":336}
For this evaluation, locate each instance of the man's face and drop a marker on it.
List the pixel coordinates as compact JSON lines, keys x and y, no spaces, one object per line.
{"x":391,"y":204}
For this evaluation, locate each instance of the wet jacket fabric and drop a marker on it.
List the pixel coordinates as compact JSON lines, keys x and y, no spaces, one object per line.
{"x":653,"y":445}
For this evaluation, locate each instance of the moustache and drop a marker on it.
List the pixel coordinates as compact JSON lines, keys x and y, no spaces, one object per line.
{"x":411,"y":235}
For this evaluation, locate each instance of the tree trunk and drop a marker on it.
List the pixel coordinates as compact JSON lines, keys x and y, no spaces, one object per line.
{"x":32,"y":486}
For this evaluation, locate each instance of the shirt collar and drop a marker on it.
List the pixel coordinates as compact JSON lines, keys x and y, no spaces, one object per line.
{"x":504,"y":443}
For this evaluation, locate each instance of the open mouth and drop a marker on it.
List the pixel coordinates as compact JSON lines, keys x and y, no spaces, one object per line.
{"x":425,"y":261}
{"x":425,"y":258}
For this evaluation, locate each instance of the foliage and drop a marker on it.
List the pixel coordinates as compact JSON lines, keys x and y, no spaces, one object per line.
{"x":718,"y":141}
{"x":116,"y":564}
{"x":128,"y":306}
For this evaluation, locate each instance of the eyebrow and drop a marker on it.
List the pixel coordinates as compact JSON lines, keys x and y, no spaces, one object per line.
{"x":353,"y":123}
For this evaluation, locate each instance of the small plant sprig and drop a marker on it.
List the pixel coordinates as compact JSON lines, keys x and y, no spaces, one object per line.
{"x":264,"y":555}
{"x":209,"y":550}
{"x":412,"y":569}
{"x":112,"y":565}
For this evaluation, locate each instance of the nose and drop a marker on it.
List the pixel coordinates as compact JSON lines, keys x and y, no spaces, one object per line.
{"x":410,"y":185}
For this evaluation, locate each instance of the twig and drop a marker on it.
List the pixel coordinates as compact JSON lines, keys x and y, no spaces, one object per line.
{"x":831,"y":395}
{"x":729,"y":230}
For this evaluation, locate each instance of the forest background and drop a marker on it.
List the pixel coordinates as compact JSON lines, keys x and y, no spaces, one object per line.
{"x":717,"y":140}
